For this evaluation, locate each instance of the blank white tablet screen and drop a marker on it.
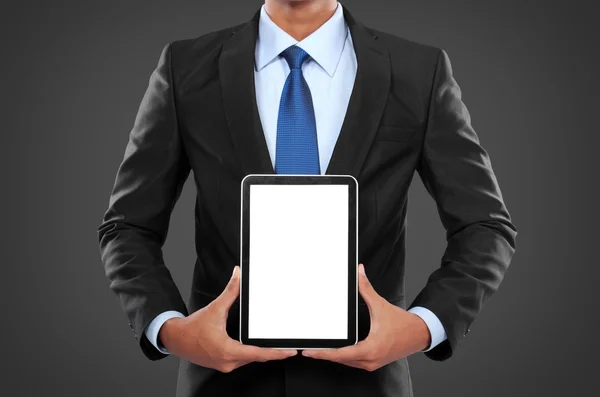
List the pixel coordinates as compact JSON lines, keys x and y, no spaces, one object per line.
{"x":298,"y":278}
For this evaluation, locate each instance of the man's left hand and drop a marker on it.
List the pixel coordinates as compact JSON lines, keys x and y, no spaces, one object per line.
{"x":395,"y":333}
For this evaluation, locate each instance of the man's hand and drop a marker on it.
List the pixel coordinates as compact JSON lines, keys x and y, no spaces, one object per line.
{"x":395,"y":334}
{"x":201,"y":338}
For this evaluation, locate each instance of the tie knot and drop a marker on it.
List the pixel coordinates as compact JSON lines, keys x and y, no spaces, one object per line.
{"x":295,"y":56}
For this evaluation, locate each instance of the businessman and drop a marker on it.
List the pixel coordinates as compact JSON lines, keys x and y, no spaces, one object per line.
{"x":303,"y":88}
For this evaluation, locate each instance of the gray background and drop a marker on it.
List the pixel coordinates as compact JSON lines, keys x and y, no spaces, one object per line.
{"x":73,"y":75}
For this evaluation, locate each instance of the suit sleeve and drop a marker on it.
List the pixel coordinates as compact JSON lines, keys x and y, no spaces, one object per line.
{"x":134,"y":228}
{"x":457,"y":173}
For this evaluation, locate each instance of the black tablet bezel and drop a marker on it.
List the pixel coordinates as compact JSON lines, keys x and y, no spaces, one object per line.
{"x":273,"y":179}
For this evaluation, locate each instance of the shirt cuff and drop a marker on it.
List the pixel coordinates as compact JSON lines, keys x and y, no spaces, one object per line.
{"x":154,"y":326}
{"x":436,"y":329}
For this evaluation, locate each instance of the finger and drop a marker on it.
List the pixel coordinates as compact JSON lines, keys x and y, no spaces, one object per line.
{"x":366,"y":290}
{"x":366,"y":365}
{"x":231,"y":291}
{"x":255,"y":353}
{"x":356,"y":352}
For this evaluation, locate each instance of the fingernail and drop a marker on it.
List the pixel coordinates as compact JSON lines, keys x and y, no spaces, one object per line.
{"x":361,"y":269}
{"x":234,"y":270}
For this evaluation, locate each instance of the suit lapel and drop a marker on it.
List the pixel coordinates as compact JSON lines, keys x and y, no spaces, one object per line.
{"x":367,"y":101}
{"x":236,"y":75}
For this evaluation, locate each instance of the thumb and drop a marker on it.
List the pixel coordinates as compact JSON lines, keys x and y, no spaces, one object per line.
{"x":231,"y":291}
{"x":366,"y":290}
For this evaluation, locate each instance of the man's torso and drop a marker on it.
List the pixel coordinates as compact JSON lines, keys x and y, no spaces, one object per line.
{"x":380,"y":143}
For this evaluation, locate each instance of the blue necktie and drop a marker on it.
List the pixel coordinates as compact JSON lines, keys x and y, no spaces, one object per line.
{"x":297,"y":151}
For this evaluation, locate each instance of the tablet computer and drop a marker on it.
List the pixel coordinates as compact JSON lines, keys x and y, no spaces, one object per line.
{"x":299,"y":252}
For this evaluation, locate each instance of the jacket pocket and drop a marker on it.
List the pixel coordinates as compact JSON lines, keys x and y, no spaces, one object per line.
{"x":396,"y":134}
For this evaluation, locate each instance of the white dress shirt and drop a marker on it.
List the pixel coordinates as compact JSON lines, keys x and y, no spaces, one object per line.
{"x":330,"y":74}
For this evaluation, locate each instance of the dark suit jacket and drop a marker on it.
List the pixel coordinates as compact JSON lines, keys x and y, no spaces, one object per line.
{"x":405,"y":114}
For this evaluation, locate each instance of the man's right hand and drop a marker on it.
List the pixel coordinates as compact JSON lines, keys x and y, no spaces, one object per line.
{"x":201,"y":338}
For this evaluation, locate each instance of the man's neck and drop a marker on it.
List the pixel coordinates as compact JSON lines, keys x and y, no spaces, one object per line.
{"x":300,"y":18}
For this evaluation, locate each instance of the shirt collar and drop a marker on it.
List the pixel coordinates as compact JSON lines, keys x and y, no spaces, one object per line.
{"x":324,"y":45}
